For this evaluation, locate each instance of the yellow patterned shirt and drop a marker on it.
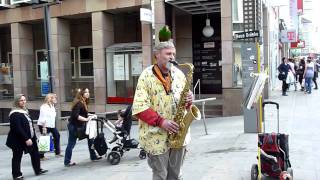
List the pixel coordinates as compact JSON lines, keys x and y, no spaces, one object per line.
{"x":150,"y":93}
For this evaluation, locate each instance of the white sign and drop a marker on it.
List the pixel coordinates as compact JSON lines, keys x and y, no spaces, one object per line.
{"x":44,"y":70}
{"x":146,"y":15}
{"x":120,"y":67}
{"x":289,"y":35}
{"x":136,"y":64}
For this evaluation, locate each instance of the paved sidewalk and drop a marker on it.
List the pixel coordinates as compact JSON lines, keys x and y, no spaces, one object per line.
{"x":225,"y":154}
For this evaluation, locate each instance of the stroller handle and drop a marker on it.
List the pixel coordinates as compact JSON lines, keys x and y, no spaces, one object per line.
{"x":270,"y":102}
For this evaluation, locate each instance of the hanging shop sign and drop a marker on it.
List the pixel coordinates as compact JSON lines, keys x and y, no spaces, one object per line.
{"x":247,"y":34}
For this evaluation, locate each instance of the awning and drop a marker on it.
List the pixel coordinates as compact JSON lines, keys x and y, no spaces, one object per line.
{"x":196,"y":6}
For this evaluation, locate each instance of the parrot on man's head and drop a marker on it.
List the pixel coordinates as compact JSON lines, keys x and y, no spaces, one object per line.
{"x":164,"y":34}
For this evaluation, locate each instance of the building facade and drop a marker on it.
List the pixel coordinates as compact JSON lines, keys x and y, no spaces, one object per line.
{"x":102,"y":45}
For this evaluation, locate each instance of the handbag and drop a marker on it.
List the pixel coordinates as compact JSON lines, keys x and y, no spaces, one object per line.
{"x":99,"y":142}
{"x":282,"y":76}
{"x":81,"y":132}
{"x":44,"y":143}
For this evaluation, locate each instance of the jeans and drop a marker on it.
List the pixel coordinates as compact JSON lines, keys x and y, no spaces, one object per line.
{"x":17,"y":156}
{"x":72,"y":140}
{"x":284,"y":87}
{"x":56,"y":139}
{"x":308,"y":82}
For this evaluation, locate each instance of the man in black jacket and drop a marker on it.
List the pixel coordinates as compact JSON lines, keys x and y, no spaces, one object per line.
{"x":283,"y":70}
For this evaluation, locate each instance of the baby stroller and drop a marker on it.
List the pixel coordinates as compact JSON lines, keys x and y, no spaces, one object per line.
{"x":273,"y":154}
{"x":123,"y":143}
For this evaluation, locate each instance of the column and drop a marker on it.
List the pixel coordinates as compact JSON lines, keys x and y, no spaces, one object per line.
{"x":61,"y":62}
{"x":102,"y":36}
{"x":159,"y":17}
{"x":232,"y":97}
{"x":23,"y":59}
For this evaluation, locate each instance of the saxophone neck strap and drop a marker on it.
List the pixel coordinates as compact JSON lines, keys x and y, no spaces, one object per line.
{"x":164,"y":79}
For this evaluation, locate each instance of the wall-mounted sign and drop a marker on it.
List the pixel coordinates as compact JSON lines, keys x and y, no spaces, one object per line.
{"x":299,"y":44}
{"x":247,"y":34}
{"x":289,"y":35}
{"x":146,"y":15}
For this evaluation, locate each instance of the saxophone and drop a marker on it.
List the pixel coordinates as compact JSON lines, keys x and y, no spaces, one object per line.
{"x":182,"y":118}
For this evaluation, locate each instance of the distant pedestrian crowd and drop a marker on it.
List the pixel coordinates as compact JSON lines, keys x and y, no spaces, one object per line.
{"x":299,"y":73}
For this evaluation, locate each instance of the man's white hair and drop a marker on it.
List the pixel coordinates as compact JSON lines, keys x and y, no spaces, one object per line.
{"x":164,"y":45}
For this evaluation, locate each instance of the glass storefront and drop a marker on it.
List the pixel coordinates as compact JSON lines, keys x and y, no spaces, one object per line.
{"x":123,"y":66}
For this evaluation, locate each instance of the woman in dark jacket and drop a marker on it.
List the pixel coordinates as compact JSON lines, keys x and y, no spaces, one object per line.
{"x":22,"y":138}
{"x":78,"y":119}
{"x":300,"y":72}
{"x":284,"y":68}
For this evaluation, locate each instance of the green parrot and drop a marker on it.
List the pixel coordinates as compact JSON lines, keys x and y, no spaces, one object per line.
{"x":164,"y":33}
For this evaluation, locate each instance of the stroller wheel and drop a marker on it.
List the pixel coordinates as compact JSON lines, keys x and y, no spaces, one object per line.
{"x":118,"y":149}
{"x":142,"y":154}
{"x":254,"y":172}
{"x":114,"y":157}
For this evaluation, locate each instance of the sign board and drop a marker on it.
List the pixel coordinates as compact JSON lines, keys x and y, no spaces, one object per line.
{"x":44,"y":75}
{"x":45,"y":88}
{"x":146,"y":15}
{"x":288,"y":35}
{"x":299,"y":44}
{"x":136,"y":64}
{"x":247,"y":34}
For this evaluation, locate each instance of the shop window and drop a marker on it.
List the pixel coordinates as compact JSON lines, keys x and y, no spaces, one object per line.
{"x":73,"y":61}
{"x":124,"y":65}
{"x":40,"y":56}
{"x":6,"y":77}
{"x":85,"y":62}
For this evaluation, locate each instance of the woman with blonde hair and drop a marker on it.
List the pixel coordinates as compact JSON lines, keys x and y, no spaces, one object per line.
{"x":78,"y":118}
{"x":47,"y":122}
{"x":22,"y":138}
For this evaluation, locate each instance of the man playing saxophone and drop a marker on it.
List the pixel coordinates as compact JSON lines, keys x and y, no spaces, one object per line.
{"x":155,"y":104}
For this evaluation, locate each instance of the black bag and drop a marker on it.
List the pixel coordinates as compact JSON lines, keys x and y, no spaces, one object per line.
{"x":282,"y":76}
{"x":81,"y":132}
{"x":100,"y":144}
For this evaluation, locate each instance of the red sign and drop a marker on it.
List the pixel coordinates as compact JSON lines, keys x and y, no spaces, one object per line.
{"x":299,"y":44}
{"x":291,"y":36}
{"x":300,"y":6}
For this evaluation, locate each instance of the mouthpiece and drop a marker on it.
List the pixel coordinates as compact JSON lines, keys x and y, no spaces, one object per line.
{"x":174,"y":62}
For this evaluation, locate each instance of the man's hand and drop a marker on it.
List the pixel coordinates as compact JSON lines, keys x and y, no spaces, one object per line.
{"x":189,"y":99}
{"x":170,"y":126}
{"x":29,"y":142}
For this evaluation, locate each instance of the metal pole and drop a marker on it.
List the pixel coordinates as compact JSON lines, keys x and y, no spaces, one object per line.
{"x":204,"y":118}
{"x":47,"y":33}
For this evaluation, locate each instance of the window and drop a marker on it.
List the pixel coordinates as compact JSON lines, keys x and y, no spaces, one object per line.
{"x":73,"y":61}
{"x":9,"y":56}
{"x":85,"y":62}
{"x":40,"y":56}
{"x":237,"y":11}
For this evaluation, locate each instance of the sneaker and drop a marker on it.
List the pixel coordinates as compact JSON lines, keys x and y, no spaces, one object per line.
{"x":284,"y":94}
{"x":96,"y":159}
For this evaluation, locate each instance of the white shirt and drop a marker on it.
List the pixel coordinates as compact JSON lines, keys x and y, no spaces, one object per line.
{"x":47,"y":116}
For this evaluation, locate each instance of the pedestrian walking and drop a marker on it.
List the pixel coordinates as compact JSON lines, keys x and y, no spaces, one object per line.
{"x":283,"y":69}
{"x":47,"y":122}
{"x":22,"y":138}
{"x":308,"y":75}
{"x":76,"y":126}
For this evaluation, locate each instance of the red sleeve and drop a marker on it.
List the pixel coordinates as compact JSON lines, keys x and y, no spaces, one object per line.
{"x":150,"y":117}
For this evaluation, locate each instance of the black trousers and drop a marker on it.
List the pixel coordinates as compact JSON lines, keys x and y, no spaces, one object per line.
{"x":17,"y":156}
{"x":284,"y":87}
{"x":56,"y":139}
